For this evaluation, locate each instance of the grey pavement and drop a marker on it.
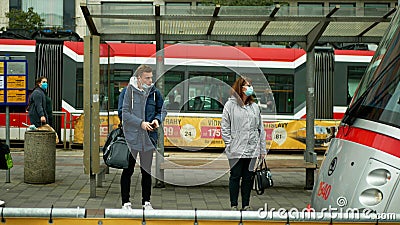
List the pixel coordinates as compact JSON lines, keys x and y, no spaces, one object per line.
{"x":71,"y":189}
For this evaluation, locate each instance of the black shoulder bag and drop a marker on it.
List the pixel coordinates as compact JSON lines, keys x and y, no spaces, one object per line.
{"x":262,"y":178}
{"x":116,"y":151}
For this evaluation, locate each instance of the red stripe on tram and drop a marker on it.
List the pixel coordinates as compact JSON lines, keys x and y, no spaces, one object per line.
{"x":371,"y":139}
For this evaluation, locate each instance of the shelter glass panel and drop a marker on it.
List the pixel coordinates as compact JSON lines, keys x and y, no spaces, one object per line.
{"x":127,"y":8}
{"x":177,"y":8}
{"x":237,"y":27}
{"x":346,"y":9}
{"x":346,"y":28}
{"x":289,"y":28}
{"x":376,"y":9}
{"x":184,"y":27}
{"x":51,"y":11}
{"x":310,"y":9}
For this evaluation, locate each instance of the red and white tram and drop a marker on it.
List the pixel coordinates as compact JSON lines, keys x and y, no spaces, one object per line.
{"x":362,"y":165}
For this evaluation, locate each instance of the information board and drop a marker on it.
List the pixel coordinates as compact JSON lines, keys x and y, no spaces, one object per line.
{"x":13,"y":82}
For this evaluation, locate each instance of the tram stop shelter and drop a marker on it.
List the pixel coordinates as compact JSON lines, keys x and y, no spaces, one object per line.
{"x":129,"y":22}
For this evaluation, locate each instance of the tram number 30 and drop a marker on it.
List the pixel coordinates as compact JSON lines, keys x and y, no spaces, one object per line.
{"x":324,"y":190}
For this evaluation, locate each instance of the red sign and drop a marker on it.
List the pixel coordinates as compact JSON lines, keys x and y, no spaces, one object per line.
{"x":324,"y":190}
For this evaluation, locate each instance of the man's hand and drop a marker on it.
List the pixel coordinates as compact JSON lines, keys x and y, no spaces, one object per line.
{"x":146,"y":126}
{"x":43,"y":119}
{"x":155,"y":124}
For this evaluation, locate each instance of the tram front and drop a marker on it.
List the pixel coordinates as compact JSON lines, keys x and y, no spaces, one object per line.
{"x":362,"y":165}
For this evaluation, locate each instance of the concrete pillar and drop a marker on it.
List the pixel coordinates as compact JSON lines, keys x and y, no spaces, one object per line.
{"x":40,"y":157}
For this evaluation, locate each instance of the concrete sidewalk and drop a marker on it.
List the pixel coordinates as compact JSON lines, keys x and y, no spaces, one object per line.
{"x":72,"y":189}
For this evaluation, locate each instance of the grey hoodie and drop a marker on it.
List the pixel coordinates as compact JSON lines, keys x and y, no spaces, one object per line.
{"x":242,"y":130}
{"x":138,"y":106}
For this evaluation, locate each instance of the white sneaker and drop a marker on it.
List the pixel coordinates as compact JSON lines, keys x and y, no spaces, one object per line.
{"x":127,"y":206}
{"x":147,"y":205}
{"x":2,"y":203}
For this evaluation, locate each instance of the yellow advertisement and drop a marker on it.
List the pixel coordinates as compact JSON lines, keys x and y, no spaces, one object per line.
{"x":291,"y":134}
{"x":1,"y":68}
{"x":205,"y":132}
{"x":1,"y":96}
{"x":201,"y":132}
{"x":197,"y":132}
{"x":16,"y":82}
{"x":16,"y":96}
{"x":79,"y":128}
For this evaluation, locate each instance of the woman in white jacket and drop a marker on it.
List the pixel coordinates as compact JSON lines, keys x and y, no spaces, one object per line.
{"x":244,"y":137}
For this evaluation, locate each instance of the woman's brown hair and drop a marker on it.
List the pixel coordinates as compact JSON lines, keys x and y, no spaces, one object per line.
{"x":39,"y":80}
{"x":236,"y":90}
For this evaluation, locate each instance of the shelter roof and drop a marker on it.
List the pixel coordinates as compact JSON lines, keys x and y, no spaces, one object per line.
{"x":130,"y":22}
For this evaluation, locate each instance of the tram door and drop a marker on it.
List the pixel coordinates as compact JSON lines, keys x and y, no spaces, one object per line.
{"x":49,"y":63}
{"x":324,"y":68}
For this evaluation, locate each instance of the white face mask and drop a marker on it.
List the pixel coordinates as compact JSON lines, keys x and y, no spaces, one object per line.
{"x":145,"y":86}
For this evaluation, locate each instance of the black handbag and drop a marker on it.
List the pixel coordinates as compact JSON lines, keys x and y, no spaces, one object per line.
{"x":116,"y":152}
{"x":262,"y":178}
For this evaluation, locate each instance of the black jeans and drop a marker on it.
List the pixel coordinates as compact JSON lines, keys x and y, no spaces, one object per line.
{"x":146,"y":159}
{"x":240,"y":171}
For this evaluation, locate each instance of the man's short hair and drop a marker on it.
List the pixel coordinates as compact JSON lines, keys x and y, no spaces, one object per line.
{"x":142,"y":69}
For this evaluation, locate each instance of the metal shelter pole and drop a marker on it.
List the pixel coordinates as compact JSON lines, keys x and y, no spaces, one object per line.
{"x":309,"y":155}
{"x":160,"y":85}
{"x":91,"y":157}
{"x":8,"y":175}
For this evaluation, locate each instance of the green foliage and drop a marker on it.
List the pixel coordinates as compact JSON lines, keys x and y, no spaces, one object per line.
{"x":29,"y":20}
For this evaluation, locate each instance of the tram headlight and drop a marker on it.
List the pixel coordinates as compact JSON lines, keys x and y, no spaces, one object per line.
{"x":378,"y":177}
{"x":371,"y":197}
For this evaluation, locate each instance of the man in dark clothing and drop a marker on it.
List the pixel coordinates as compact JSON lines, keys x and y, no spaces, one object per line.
{"x":142,"y":114}
{"x":37,"y":103}
{"x":120,"y":103}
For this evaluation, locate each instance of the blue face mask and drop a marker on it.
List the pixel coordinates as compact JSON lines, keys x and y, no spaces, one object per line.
{"x":44,"y":86}
{"x":249,"y":91}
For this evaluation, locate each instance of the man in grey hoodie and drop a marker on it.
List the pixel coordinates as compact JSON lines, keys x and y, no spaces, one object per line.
{"x":142,"y":114}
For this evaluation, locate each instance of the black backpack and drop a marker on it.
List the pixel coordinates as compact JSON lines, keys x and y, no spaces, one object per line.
{"x":116,"y":151}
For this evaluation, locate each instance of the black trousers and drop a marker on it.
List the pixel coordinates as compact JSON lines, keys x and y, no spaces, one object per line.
{"x":146,"y":159}
{"x":240,"y":171}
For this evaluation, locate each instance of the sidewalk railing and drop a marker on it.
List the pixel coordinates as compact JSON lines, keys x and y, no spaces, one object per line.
{"x":118,"y":216}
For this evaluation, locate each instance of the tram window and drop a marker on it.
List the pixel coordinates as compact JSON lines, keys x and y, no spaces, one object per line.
{"x":79,"y":88}
{"x":354,"y":75}
{"x":209,"y":90}
{"x":282,"y":89}
{"x":120,"y":80}
{"x":174,"y":89}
